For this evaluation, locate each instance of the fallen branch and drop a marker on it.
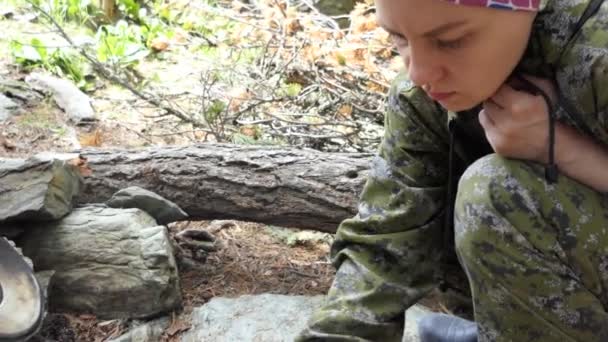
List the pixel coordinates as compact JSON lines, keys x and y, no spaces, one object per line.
{"x":274,"y":185}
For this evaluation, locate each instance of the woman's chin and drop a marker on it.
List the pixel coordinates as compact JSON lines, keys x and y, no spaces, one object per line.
{"x":457,"y":103}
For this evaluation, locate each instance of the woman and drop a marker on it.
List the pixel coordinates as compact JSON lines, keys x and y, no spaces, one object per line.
{"x":510,"y":92}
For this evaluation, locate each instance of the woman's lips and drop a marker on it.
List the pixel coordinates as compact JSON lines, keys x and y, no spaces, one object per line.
{"x":440,"y":96}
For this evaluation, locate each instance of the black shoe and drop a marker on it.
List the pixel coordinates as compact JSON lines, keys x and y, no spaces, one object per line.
{"x":446,"y":328}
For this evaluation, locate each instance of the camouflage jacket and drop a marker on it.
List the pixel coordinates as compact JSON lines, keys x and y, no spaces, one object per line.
{"x":388,"y":255}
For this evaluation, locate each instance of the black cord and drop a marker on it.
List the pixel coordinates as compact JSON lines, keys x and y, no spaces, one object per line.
{"x":551,"y":170}
{"x":448,"y":236}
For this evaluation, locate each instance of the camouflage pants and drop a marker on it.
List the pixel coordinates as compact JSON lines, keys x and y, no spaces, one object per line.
{"x":536,"y":254}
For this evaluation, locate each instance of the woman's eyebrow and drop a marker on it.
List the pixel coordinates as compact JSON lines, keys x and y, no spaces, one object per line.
{"x":443,"y":28}
{"x":432,"y":33}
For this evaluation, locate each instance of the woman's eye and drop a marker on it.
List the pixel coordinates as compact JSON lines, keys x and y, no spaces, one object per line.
{"x":450,"y":44}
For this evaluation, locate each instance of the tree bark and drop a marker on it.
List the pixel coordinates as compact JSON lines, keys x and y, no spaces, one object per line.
{"x":281,"y":186}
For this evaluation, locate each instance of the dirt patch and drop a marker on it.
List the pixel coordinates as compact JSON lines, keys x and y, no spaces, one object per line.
{"x":251,"y":261}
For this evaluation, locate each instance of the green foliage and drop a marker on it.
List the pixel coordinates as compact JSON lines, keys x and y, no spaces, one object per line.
{"x":242,"y":139}
{"x":131,"y":9}
{"x":214,"y":111}
{"x":63,"y":62}
{"x":290,"y":89}
{"x":121,"y":45}
{"x":79,"y":11}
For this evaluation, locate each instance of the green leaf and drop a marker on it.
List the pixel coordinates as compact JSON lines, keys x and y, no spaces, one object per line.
{"x":291,"y":89}
{"x":40,"y":48}
{"x":242,"y":139}
{"x":213,"y":112}
{"x":30,"y":53}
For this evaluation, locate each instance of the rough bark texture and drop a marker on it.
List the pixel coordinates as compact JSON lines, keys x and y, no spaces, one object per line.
{"x":275,"y":185}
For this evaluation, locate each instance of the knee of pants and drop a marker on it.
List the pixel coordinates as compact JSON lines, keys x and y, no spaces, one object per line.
{"x":489,"y":189}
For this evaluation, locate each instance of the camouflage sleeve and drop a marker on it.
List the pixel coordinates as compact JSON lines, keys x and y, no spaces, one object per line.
{"x":387,"y":255}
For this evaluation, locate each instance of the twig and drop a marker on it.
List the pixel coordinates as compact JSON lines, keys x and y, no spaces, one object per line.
{"x":304,"y":124}
{"x":111,"y":76}
{"x":220,"y":13}
{"x":280,"y":8}
{"x":181,"y":132}
{"x":312,"y":136}
{"x":238,"y":114}
{"x":333,"y":23}
{"x":302,"y":273}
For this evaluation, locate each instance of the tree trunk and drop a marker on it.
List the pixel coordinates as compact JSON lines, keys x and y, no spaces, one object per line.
{"x":275,"y":185}
{"x":109,"y":9}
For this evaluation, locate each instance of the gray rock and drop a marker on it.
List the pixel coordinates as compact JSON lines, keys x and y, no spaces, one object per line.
{"x":8,"y":107}
{"x":145,"y":331}
{"x":114,"y":263}
{"x":20,"y":92}
{"x":44,"y":279}
{"x":412,"y":317}
{"x":8,"y":164}
{"x":267,"y":318}
{"x":163,"y":210}
{"x":37,"y":190}
{"x":68,"y":97}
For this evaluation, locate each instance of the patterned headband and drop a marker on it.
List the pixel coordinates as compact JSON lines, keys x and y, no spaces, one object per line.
{"x":520,"y":5}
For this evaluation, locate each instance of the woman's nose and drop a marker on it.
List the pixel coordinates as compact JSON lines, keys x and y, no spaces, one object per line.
{"x":422,"y":70}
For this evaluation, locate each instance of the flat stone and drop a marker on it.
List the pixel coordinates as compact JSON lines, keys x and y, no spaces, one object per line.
{"x":37,"y":190}
{"x":163,"y":210}
{"x":268,"y":318}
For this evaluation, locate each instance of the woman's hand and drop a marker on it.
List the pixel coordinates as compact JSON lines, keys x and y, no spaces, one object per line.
{"x":516,"y":123}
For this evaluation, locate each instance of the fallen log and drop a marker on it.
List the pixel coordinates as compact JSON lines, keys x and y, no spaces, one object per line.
{"x":281,"y":186}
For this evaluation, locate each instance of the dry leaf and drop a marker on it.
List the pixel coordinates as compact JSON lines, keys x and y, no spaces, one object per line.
{"x":179,"y":36}
{"x":373,"y":86}
{"x":237,"y":97}
{"x":81,"y":164}
{"x":362,"y":24}
{"x":353,"y":54}
{"x":177,"y":326}
{"x":291,"y":26}
{"x":281,"y":5}
{"x":318,"y":35}
{"x":159,"y":44}
{"x":7,"y":144}
{"x":200,"y":135}
{"x":311,"y":53}
{"x":92,"y":139}
{"x":345,"y":111}
{"x":249,"y":131}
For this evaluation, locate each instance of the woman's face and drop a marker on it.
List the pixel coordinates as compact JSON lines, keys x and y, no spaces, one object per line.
{"x":460,"y":55}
